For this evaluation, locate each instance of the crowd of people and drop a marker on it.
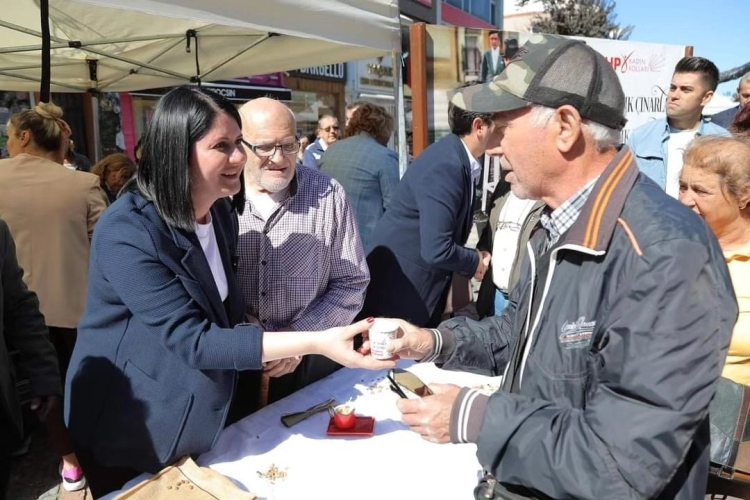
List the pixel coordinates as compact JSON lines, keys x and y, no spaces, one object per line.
{"x":155,"y":302}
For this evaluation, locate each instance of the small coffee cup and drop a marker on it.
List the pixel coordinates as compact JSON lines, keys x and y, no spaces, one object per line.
{"x":344,"y":417}
{"x":382,"y":331}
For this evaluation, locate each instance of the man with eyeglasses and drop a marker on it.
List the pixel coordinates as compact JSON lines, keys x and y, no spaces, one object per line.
{"x":301,"y":263}
{"x":328,"y":133}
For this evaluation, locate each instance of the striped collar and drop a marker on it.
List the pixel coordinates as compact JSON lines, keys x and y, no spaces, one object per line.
{"x":596,"y":224}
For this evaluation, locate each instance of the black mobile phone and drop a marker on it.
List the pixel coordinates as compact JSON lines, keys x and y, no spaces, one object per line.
{"x":407,"y":385}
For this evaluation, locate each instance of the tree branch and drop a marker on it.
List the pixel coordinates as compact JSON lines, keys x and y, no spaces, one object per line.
{"x":734,"y":73}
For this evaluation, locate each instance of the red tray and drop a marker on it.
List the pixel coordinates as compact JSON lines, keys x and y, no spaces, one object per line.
{"x":364,"y":427}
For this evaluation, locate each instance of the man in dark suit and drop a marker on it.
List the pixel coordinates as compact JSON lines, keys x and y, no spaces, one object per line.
{"x":511,"y":49}
{"x":726,"y":118}
{"x":418,"y":244}
{"x":21,"y":328}
{"x":492,"y":62}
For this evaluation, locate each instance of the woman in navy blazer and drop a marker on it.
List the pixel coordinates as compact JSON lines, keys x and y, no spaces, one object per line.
{"x":161,"y":341}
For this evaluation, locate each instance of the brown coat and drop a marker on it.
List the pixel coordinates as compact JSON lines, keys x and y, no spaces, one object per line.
{"x":51,"y":212}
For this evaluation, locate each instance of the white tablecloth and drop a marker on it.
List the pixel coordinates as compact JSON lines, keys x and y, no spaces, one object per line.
{"x":394,"y":463}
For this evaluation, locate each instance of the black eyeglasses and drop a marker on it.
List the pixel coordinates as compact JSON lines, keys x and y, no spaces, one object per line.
{"x":268,"y":150}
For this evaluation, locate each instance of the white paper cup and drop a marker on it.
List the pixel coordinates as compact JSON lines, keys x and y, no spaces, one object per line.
{"x":381,"y":332}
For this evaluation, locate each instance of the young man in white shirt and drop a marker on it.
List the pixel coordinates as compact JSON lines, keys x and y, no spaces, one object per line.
{"x":659,"y":144}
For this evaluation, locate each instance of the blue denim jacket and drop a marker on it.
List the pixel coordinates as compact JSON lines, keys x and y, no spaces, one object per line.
{"x":649,"y":145}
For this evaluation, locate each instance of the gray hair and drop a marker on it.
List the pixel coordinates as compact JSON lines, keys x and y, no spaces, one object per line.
{"x":744,"y":79}
{"x":604,"y":138}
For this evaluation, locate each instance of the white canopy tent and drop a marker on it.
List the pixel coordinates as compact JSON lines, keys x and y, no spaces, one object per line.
{"x":128,"y":45}
{"x":124,"y":45}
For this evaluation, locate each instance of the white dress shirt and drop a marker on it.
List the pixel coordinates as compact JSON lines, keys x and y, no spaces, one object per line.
{"x":676,"y":144}
{"x":207,"y":238}
{"x":476,"y":168}
{"x":495,"y":57}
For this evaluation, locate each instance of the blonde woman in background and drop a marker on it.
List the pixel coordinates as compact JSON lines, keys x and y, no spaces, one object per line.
{"x":51,"y":212}
{"x":715,"y":184}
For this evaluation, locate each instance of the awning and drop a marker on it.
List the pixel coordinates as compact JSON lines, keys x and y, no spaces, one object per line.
{"x":231,"y":90}
{"x":126,"y":45}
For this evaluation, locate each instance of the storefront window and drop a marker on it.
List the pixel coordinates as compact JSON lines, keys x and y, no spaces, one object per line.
{"x":10,"y":104}
{"x":483,"y":9}
{"x":472,"y":63}
{"x":308,"y":107}
{"x":143,"y":111}
{"x":111,"y":137}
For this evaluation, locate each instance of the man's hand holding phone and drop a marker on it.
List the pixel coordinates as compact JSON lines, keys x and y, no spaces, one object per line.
{"x":407,"y":385}
{"x":427,"y":410}
{"x":412,"y":342}
{"x":430,"y":416}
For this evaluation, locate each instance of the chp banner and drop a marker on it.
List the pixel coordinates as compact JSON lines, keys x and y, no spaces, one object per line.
{"x":454,"y":57}
{"x":645,"y":72}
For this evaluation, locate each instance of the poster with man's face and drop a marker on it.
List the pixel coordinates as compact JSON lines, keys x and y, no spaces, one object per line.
{"x":455,"y":57}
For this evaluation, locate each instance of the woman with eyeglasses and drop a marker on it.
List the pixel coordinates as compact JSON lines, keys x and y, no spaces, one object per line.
{"x":161,"y":341}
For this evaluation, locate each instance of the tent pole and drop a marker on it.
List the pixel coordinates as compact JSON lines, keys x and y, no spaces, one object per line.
{"x":231,"y":58}
{"x":135,"y":63}
{"x":418,"y":62}
{"x":44,"y":89}
{"x":188,"y":35}
{"x":29,"y":79}
{"x":156,"y":56}
{"x":97,"y":134}
{"x":398,"y":91}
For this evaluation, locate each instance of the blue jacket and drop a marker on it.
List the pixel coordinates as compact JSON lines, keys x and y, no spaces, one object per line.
{"x":368,"y":171}
{"x":418,"y":243}
{"x":649,"y":145}
{"x":154,"y":367}
{"x":313,"y":154}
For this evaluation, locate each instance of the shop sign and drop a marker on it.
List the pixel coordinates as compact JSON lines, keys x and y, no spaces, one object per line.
{"x":269,"y":80}
{"x":644,"y":70}
{"x":374,"y":75}
{"x":231,"y":90}
{"x":330,"y":72}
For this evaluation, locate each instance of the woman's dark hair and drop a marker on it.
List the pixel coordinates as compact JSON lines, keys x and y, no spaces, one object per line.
{"x":460,"y":120}
{"x":70,"y":153}
{"x":373,"y":120}
{"x":182,"y":117}
{"x":741,"y":123}
{"x":138,"y":149}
